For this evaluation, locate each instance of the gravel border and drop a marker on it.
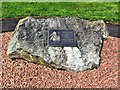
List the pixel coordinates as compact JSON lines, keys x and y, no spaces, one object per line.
{"x":21,"y":74}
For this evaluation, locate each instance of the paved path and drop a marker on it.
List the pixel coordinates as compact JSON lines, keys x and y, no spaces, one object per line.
{"x":8,"y":25}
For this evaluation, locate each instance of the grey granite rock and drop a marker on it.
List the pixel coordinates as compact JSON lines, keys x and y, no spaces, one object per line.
{"x":30,"y":41}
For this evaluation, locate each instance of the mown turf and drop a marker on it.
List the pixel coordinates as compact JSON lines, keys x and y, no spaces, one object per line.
{"x":108,"y":11}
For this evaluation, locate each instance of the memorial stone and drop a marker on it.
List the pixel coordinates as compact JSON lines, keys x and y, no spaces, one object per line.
{"x":68,"y":43}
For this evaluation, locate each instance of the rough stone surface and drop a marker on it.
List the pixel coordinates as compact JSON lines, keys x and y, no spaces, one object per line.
{"x":30,"y":42}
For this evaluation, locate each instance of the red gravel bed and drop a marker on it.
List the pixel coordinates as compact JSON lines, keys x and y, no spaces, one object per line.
{"x":21,"y":74}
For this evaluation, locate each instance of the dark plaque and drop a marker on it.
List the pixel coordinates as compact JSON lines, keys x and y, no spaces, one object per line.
{"x":62,"y":38}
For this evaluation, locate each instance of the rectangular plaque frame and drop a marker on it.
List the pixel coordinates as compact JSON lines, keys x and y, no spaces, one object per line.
{"x":61,"y":38}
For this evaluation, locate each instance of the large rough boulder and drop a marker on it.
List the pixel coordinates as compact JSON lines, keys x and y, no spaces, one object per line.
{"x":30,"y":42}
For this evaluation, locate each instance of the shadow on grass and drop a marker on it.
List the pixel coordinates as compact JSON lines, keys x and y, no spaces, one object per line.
{"x":8,"y":25}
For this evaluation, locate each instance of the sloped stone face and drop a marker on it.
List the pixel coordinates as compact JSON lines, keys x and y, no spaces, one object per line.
{"x":30,"y":41}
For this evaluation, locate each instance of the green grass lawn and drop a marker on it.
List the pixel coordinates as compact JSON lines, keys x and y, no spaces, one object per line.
{"x":108,"y":11}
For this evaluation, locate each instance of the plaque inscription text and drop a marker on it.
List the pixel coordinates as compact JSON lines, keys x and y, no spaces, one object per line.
{"x":61,"y":38}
